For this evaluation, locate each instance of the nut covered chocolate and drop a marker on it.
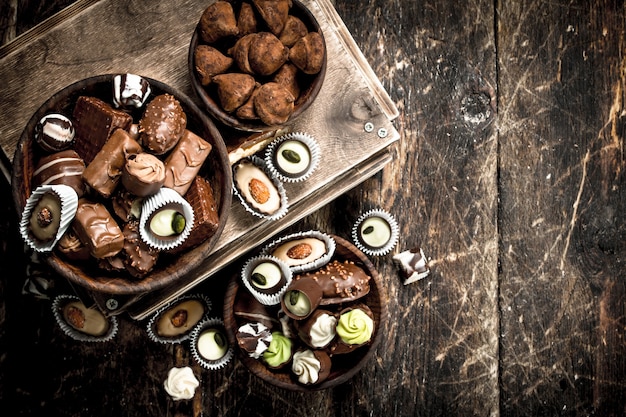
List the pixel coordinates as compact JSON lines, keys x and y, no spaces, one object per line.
{"x":162,"y":124}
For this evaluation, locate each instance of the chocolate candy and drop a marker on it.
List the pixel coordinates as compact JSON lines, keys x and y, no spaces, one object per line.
{"x":105,"y":170}
{"x":94,"y":121}
{"x":140,"y":258}
{"x":96,"y":228}
{"x":54,"y":132}
{"x":184,"y":162}
{"x":206,"y":219}
{"x":45,"y":218}
{"x":86,"y":320}
{"x":143,"y":174}
{"x":64,"y":167}
{"x":341,"y":282}
{"x":130,"y":90}
{"x":302,"y":296}
{"x":163,"y":124}
{"x":180,"y":318}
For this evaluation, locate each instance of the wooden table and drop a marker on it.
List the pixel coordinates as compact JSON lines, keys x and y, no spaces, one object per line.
{"x":510,"y":174}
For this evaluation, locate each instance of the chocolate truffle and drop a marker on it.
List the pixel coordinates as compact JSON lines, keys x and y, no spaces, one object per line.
{"x":94,"y":121}
{"x":105,"y":170}
{"x":72,"y":248}
{"x":217,"y":21}
{"x":143,"y":174}
{"x":162,"y":124}
{"x":184,"y":162}
{"x":126,"y":205}
{"x":97,"y":229}
{"x":54,"y":132}
{"x":274,"y":13}
{"x":64,"y":167}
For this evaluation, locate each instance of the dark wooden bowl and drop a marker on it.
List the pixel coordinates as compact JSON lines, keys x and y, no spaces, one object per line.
{"x":310,"y":84}
{"x":345,"y":366}
{"x":169,"y":268}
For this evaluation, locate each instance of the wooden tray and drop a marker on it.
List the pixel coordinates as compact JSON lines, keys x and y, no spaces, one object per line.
{"x":351,"y":117}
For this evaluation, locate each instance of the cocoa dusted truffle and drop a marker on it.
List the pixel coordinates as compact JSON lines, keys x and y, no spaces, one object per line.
{"x":274,"y":13}
{"x":163,"y":124}
{"x":233,"y":89}
{"x":308,"y":53}
{"x":259,"y":53}
{"x":218,"y":21}
{"x":273,"y":103}
{"x":209,"y":62}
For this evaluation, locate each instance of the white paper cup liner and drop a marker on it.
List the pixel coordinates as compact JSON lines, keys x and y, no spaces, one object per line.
{"x":303,"y":265}
{"x":57,"y":306}
{"x":69,"y":204}
{"x":163,"y":197}
{"x":391,"y":240}
{"x":209,"y":323}
{"x":265,"y":298}
{"x":307,"y":141}
{"x":151,"y":326}
{"x":284,"y":204}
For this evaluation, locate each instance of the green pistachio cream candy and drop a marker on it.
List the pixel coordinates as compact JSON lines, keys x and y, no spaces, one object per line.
{"x":278,"y":352}
{"x":167,"y":222}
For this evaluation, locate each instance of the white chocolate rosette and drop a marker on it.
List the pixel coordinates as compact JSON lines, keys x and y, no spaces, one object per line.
{"x":181,"y":383}
{"x":48,"y":213}
{"x":209,"y":344}
{"x":166,"y":219}
{"x":82,"y":323}
{"x":174,"y":322}
{"x":303,"y":251}
{"x":293,"y":157}
{"x":267,"y":278}
{"x":260,"y":192}
{"x":375,"y":232}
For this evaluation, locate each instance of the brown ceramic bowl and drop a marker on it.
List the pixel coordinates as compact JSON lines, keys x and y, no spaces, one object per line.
{"x":169,"y":268}
{"x":344,"y":366}
{"x":310,"y":84}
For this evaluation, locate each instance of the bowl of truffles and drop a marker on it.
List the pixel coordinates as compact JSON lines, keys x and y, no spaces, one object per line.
{"x":256,"y":65}
{"x":307,"y":312}
{"x":121,"y":184}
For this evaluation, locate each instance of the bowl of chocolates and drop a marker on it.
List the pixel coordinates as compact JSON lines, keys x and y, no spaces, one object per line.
{"x":257,"y":65}
{"x":121,"y":184}
{"x":307,"y":312}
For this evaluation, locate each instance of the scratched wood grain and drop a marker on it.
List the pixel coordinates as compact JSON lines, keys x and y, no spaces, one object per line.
{"x":561,"y":107}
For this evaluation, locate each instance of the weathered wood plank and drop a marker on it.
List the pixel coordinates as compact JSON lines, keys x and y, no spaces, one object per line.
{"x":562,"y":216}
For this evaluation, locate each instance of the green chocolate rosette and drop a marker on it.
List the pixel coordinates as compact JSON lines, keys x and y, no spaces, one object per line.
{"x":355,"y":327}
{"x":279,"y":351}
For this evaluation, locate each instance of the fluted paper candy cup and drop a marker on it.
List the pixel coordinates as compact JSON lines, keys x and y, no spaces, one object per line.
{"x":68,"y":203}
{"x":166,"y":198}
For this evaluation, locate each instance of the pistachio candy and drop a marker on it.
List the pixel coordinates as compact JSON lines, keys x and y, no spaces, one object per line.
{"x":266,"y":275}
{"x":212,"y":344}
{"x":167,"y":222}
{"x":297,"y":303}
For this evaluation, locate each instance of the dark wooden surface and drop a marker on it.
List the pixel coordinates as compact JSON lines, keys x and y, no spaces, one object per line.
{"x":510,"y":173}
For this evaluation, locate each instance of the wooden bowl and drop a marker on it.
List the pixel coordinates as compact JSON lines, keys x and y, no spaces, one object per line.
{"x":169,"y":268}
{"x":345,"y":366}
{"x":310,"y":84}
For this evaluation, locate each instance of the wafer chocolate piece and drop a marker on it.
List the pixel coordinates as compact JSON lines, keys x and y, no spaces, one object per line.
{"x":97,"y":229}
{"x":94,"y":121}
{"x":184,"y":162}
{"x":206,"y":219}
{"x":64,"y":167}
{"x":105,"y":171}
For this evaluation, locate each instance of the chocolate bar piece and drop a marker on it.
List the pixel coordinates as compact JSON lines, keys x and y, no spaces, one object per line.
{"x":94,"y":121}
{"x":185,"y":161}
{"x":97,"y":229}
{"x":105,"y":171}
{"x":206,"y":219}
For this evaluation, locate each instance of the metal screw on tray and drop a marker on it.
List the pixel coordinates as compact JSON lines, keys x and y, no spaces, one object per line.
{"x":112,"y":304}
{"x":369,"y":127}
{"x":382,"y":132}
